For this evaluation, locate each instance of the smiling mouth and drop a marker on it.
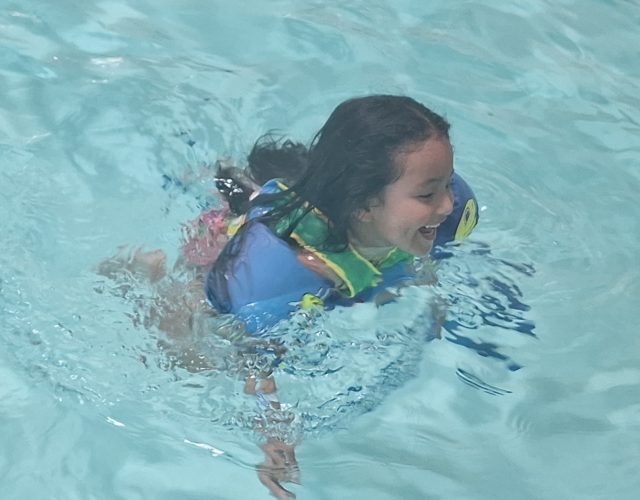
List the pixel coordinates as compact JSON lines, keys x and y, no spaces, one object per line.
{"x":429,"y":232}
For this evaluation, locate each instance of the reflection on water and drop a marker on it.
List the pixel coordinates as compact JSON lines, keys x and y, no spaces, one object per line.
{"x":485,"y":298}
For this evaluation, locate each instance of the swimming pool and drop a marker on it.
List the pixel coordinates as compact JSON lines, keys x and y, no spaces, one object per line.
{"x":103,"y":101}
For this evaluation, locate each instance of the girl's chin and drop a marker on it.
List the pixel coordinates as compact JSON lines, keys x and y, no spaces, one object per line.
{"x":425,"y":241}
{"x":421,"y":250}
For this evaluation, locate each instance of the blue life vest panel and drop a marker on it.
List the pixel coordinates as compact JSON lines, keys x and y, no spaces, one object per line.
{"x":264,"y":281}
{"x":464,"y":216}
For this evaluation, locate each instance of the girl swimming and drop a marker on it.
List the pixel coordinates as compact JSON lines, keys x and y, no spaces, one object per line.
{"x":377,"y":191}
{"x":334,"y":224}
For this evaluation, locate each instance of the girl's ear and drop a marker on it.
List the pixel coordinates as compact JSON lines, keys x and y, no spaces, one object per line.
{"x":363,"y":215}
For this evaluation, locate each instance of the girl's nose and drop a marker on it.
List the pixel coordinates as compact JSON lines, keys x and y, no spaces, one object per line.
{"x":446,"y":205}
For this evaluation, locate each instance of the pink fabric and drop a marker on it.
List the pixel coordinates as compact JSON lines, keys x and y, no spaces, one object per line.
{"x":205,"y":237}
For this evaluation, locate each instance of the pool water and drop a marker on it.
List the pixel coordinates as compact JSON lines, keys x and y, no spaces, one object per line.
{"x":110,"y":113}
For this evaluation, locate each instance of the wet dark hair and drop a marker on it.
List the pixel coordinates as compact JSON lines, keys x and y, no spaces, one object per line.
{"x":272,"y":157}
{"x":351,"y":160}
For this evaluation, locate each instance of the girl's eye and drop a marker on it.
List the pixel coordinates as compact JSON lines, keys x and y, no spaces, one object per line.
{"x":450,"y":182}
{"x":426,"y":196}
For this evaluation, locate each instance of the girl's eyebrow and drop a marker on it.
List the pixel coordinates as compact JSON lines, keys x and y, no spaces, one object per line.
{"x":436,"y":179}
{"x":431,"y":181}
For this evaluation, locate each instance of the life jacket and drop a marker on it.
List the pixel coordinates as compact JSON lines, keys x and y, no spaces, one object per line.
{"x":261,"y":280}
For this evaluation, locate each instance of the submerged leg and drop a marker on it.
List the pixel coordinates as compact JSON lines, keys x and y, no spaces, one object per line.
{"x":150,"y":265}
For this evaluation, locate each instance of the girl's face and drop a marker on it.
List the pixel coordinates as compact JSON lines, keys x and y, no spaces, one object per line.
{"x":409,"y":211}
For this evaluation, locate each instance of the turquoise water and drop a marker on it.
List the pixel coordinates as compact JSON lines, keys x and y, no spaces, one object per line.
{"x":102,"y":101}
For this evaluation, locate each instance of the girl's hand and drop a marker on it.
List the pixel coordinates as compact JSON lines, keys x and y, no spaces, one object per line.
{"x":280,"y":465}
